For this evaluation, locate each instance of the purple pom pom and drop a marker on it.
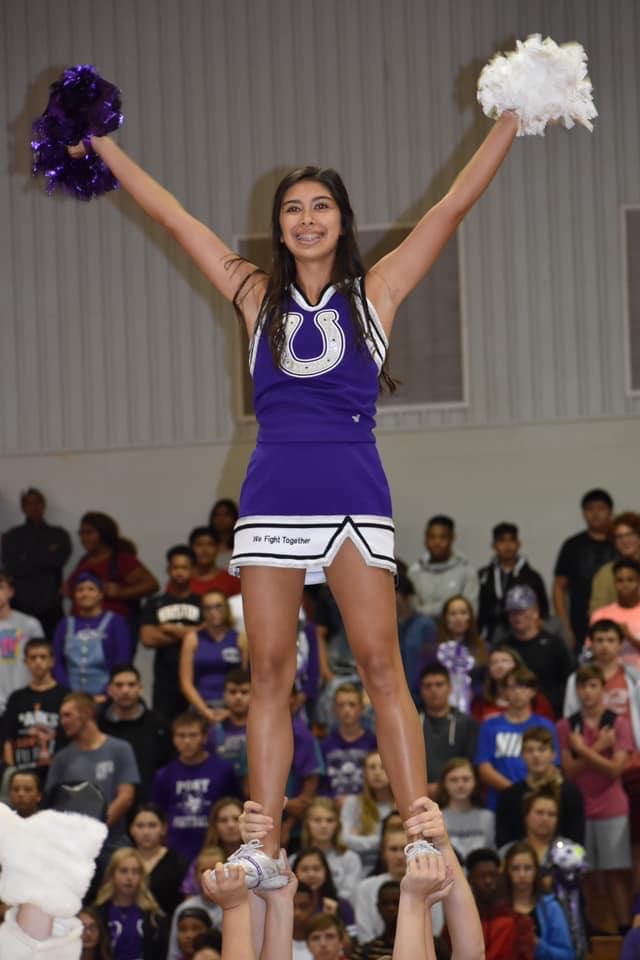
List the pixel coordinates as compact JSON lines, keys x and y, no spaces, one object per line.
{"x":81,"y":105}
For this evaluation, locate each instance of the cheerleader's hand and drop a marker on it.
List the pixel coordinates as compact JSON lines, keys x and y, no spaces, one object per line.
{"x":426,"y":821}
{"x":225,"y":885}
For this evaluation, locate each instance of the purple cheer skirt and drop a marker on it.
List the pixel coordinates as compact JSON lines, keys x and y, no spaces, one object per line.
{"x":301,"y":501}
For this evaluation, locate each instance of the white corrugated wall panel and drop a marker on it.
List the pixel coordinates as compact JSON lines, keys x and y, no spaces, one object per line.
{"x":111,"y":338}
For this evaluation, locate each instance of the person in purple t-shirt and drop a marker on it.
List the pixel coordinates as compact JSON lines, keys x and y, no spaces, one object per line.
{"x":346,"y":747}
{"x":88,"y":646}
{"x":228,"y":738}
{"x":207,"y":655}
{"x":187,"y":788}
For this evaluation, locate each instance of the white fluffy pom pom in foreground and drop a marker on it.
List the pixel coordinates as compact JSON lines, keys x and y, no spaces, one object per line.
{"x":541,"y":82}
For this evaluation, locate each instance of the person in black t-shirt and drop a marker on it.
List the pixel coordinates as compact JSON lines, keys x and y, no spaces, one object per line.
{"x":545,"y":653}
{"x":580,"y":558}
{"x":167,"y":618}
{"x":542,"y":773}
{"x":508,"y":568}
{"x":125,"y":715}
{"x":34,"y":554}
{"x":32,"y":719}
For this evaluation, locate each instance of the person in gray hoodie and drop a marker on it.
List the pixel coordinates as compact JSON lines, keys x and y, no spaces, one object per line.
{"x":441,"y":573}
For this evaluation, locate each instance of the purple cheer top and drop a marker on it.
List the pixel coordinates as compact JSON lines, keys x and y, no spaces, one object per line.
{"x":315,"y":476}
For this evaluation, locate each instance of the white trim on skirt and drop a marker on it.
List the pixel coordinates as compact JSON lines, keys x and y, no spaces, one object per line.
{"x":311,"y":543}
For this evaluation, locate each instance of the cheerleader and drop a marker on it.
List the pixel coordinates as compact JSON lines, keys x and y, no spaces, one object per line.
{"x":315,"y":503}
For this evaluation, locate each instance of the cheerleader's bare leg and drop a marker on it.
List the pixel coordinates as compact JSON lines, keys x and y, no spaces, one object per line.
{"x":366,"y":598}
{"x":271,"y":599}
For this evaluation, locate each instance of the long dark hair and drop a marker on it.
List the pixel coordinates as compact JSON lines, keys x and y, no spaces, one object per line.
{"x":108,"y":531}
{"x":347,"y":266}
{"x":328,"y":888}
{"x":522,"y":847}
{"x":102,"y":950}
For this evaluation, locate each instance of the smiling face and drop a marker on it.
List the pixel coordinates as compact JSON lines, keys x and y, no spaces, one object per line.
{"x":310,"y":221}
{"x":87,"y":598}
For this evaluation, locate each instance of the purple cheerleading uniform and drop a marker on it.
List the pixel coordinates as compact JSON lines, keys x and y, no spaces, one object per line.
{"x":315,"y":477}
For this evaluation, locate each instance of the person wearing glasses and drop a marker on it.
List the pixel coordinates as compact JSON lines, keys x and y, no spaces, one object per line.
{"x":207,"y":655}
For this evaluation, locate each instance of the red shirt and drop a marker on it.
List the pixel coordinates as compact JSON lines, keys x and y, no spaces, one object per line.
{"x":221,"y":581}
{"x":482,"y":709}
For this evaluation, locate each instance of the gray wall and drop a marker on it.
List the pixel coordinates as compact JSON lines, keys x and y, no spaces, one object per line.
{"x":112,"y":342}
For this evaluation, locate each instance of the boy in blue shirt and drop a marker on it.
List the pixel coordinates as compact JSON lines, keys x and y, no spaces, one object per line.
{"x":498,"y":754}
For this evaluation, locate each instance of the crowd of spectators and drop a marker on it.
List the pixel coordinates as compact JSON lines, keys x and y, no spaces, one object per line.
{"x":530,"y":709}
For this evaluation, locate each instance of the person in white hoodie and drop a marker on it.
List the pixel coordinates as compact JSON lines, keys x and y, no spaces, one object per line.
{"x":441,"y":573}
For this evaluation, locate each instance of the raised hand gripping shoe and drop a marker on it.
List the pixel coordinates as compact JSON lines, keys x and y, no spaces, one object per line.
{"x":260,"y":869}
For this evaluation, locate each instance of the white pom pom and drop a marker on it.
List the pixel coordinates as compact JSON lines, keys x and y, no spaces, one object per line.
{"x":541,"y":82}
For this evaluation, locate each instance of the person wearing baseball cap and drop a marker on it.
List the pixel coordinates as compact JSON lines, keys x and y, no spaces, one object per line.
{"x":88,"y":644}
{"x":542,"y":651}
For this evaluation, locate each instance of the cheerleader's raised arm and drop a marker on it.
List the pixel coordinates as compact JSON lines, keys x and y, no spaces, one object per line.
{"x":400,"y":271}
{"x":214,"y":258}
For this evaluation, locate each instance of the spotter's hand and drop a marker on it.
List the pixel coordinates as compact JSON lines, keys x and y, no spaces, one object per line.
{"x":225,"y":885}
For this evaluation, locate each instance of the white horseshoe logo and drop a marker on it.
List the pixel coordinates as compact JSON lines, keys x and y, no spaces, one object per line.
{"x":332,"y":345}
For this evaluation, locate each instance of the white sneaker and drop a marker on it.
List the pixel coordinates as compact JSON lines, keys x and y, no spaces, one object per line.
{"x":419,"y":846}
{"x":260,"y":869}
